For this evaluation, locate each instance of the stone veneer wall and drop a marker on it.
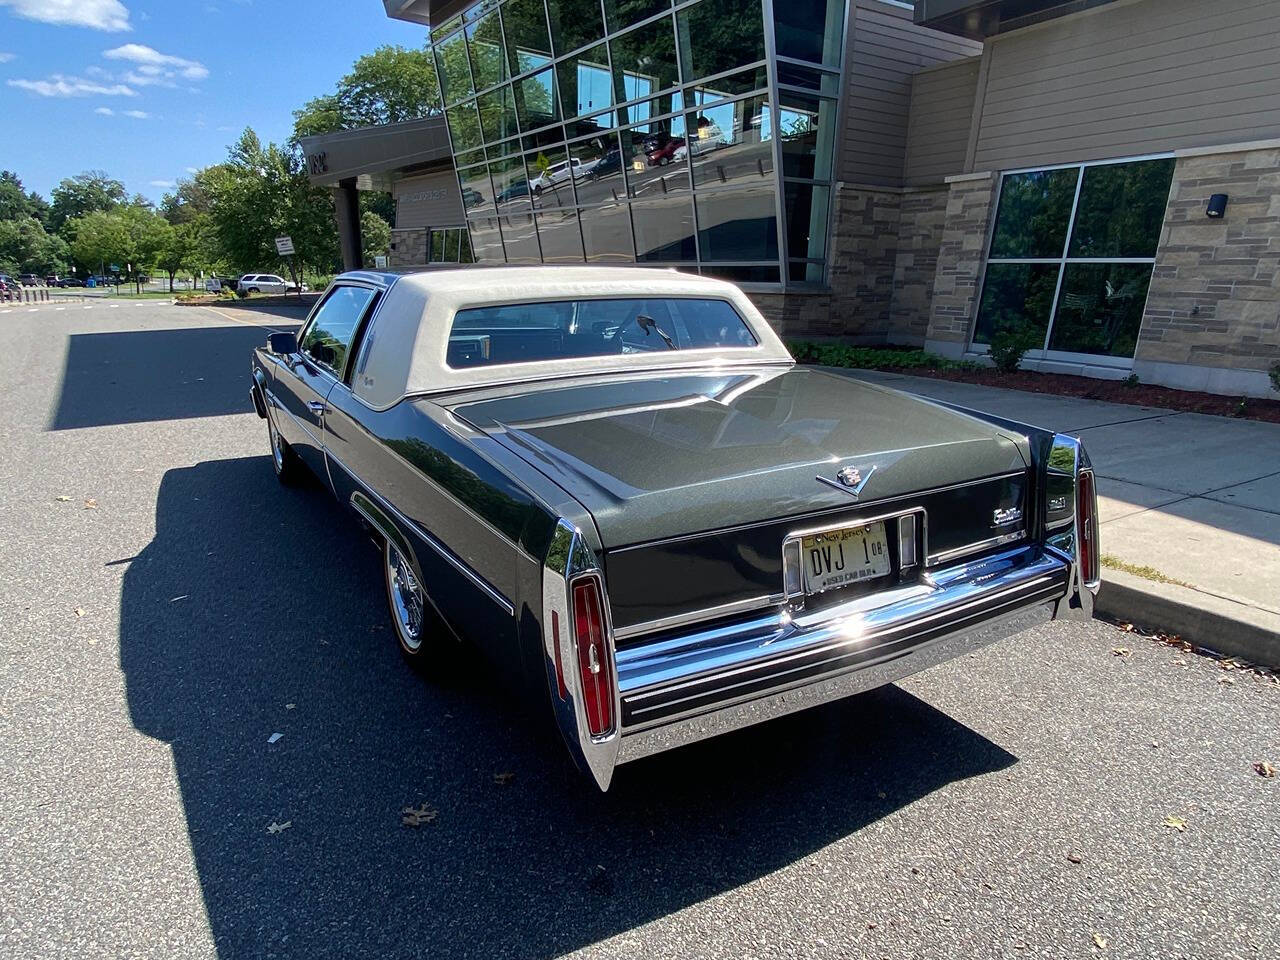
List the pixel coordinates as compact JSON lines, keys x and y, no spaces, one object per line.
{"x":921,"y":223}
{"x":408,"y":248}
{"x":961,"y":254}
{"x":863,"y":257}
{"x":1214,"y":305}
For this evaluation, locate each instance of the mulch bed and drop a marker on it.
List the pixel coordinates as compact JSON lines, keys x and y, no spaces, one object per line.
{"x":1112,"y":391}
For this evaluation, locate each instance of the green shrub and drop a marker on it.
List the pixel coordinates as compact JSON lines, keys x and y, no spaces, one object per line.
{"x":1275,"y":377}
{"x":1009,"y":345}
{"x":1132,"y":380}
{"x":869,"y":358}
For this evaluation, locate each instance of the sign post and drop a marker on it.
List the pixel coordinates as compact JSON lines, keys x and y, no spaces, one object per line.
{"x":284,"y":247}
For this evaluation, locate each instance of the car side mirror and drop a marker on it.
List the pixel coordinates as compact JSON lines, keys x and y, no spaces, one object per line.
{"x":282,"y":344}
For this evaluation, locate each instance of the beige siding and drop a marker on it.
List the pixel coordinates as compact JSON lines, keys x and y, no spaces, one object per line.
{"x":431,"y":200}
{"x":941,"y":113}
{"x":886,"y":49}
{"x":1131,"y":79}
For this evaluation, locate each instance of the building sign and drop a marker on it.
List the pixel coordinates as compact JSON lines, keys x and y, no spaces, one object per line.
{"x":380,"y":261}
{"x":427,"y":200}
{"x":284,"y":246}
{"x":317,"y":163}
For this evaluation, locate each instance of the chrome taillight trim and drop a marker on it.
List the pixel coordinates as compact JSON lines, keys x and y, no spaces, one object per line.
{"x":569,"y":559}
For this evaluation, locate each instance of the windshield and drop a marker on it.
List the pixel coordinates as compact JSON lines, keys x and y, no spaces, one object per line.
{"x":562,"y":329}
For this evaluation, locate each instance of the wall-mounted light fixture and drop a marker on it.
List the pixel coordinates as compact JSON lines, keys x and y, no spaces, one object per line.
{"x":1217,"y":208}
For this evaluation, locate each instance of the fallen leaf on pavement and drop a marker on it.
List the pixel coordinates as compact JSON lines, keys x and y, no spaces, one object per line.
{"x":1227,"y":681}
{"x":1100,"y":941}
{"x":1176,"y":823}
{"x":1264,"y":769}
{"x":504,"y":778}
{"x":91,"y":504}
{"x":274,"y":737}
{"x":1121,"y":651}
{"x":290,"y":706}
{"x":1127,"y":627}
{"x":63,"y":499}
{"x":274,"y":827}
{"x":417,"y":816}
{"x":80,"y":611}
{"x":1073,"y":857}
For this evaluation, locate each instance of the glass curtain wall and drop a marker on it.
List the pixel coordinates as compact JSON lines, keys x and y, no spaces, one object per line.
{"x":696,"y":134}
{"x":1072,"y":255}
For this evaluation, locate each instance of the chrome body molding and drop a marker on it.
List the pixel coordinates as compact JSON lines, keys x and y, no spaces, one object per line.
{"x":366,"y":496}
{"x":1067,"y":460}
{"x":569,"y":558}
{"x":697,"y":616}
{"x":969,"y":549}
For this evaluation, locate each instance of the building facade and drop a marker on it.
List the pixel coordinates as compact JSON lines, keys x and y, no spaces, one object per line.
{"x":935,"y":173}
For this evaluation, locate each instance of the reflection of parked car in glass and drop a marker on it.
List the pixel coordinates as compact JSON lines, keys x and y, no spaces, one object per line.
{"x":708,"y":137}
{"x":611,"y":162}
{"x":558,"y":173}
{"x":661,"y":153}
{"x":514,"y":192}
{"x":471,"y":198}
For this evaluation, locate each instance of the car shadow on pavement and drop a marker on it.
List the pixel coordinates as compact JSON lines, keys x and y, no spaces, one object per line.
{"x":149,"y":375}
{"x":258,"y":610}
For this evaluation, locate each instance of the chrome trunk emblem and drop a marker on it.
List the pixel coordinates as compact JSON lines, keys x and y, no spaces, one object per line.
{"x":850,"y":480}
{"x":1002,"y":518}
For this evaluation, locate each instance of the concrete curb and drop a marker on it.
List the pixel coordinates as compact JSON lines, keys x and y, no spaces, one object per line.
{"x":1215,"y":623}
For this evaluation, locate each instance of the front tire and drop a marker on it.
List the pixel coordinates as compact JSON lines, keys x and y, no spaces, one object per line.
{"x":422,"y":635}
{"x":288,"y":467}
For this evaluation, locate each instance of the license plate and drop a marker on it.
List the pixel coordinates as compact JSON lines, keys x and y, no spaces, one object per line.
{"x":842,"y":557}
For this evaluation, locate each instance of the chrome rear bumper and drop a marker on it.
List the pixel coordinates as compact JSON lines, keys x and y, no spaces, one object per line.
{"x":700,"y":684}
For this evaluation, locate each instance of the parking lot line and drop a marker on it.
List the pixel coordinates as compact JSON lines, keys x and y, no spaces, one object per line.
{"x":247,"y":323}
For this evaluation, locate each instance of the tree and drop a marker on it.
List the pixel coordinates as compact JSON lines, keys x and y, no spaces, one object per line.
{"x":375,"y":234}
{"x":390,"y":85}
{"x":84,"y":194}
{"x":16,"y":203}
{"x":192,"y":198}
{"x":101,"y":238}
{"x":179,"y":249}
{"x":26,"y":248}
{"x":149,"y":233}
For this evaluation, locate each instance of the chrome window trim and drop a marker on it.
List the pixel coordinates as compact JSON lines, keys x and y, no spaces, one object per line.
{"x":430,"y":540}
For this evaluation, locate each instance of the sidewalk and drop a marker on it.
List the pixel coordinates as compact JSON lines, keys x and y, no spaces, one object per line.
{"x":1183,"y":497}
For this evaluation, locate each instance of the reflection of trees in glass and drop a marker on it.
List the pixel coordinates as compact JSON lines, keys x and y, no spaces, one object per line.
{"x":644,"y":61}
{"x":453,"y":69}
{"x":488,"y":59}
{"x":718,"y":35}
{"x":1016,"y":296}
{"x":574,"y":23}
{"x":1033,"y":214}
{"x":1121,"y":209}
{"x":497,"y":113}
{"x":464,"y":126}
{"x":622,"y":13}
{"x":535,"y":100}
{"x":1100,"y":308}
{"x":525,"y":25}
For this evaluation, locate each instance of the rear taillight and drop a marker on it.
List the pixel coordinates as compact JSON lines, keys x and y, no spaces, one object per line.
{"x":595,"y":668}
{"x":1087,"y":521}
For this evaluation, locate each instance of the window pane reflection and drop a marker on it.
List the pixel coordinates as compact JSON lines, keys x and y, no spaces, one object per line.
{"x":510,"y":185}
{"x":623,"y":13}
{"x":1015,"y":297}
{"x":536,"y":100}
{"x":598,"y":169}
{"x":550,"y":178}
{"x":560,"y":236}
{"x":664,"y":230}
{"x":1100,"y":308}
{"x":477,"y":192}
{"x":656,"y":166}
{"x":528,"y":44}
{"x":488,"y":59}
{"x":738,"y":224}
{"x":644,"y":61}
{"x":1121,"y":209}
{"x":520,"y":238}
{"x":585,"y":84}
{"x":574,"y":23}
{"x":731,"y":142}
{"x":464,"y":126}
{"x":486,"y":241}
{"x":806,"y":209}
{"x":718,"y":35}
{"x":452,"y":68}
{"x":1033,"y":215}
{"x":807,"y":126}
{"x":809,"y":30}
{"x":606,"y":234}
{"x":497,"y":113}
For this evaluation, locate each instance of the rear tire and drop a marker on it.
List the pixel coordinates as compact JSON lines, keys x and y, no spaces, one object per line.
{"x":424,"y":638}
{"x":289,"y":468}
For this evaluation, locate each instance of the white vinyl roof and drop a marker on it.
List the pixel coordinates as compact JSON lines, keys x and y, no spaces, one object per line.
{"x":405,"y":350}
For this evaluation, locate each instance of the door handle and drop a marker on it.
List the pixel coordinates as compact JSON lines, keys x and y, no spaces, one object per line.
{"x":316,"y":406}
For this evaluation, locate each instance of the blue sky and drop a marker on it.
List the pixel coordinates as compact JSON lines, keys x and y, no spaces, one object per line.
{"x":148,"y":90}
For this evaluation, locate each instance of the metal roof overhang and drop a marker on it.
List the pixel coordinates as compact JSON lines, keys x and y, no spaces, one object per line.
{"x":429,"y":12}
{"x":979,"y":19}
{"x":374,"y":156}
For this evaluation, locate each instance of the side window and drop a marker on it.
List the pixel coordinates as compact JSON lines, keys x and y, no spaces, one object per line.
{"x":333,"y":328}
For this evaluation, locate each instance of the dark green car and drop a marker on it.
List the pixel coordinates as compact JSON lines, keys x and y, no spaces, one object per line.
{"x":619,"y":485}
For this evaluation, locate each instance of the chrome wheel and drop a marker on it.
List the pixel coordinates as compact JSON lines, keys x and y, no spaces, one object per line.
{"x":277,"y":445}
{"x":407,"y":598}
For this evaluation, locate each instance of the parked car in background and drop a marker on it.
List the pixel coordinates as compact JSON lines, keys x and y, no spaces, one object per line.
{"x":52,"y":281}
{"x":71,"y":282}
{"x":262,"y":283}
{"x":9,"y":287}
{"x":661,"y":153}
{"x":30,"y":280}
{"x":558,"y":173}
{"x":620,"y":486}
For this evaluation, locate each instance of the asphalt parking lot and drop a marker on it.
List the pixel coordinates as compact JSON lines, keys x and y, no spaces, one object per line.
{"x":166,"y":609}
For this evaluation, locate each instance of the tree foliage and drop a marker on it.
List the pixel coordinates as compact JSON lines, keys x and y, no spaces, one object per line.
{"x":25,"y":247}
{"x":17,"y":204}
{"x":390,"y":85}
{"x":375,"y":235}
{"x":84,"y":194}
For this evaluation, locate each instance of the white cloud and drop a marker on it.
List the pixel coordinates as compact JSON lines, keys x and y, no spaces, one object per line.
{"x":105,"y":112}
{"x":6,"y":57}
{"x":59,"y":85}
{"x":163,"y":184}
{"x":155,"y":68}
{"x":137,"y":114}
{"x":193,"y":169}
{"x":109,"y":15}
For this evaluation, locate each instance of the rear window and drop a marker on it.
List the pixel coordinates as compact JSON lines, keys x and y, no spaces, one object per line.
{"x":565,"y":329}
